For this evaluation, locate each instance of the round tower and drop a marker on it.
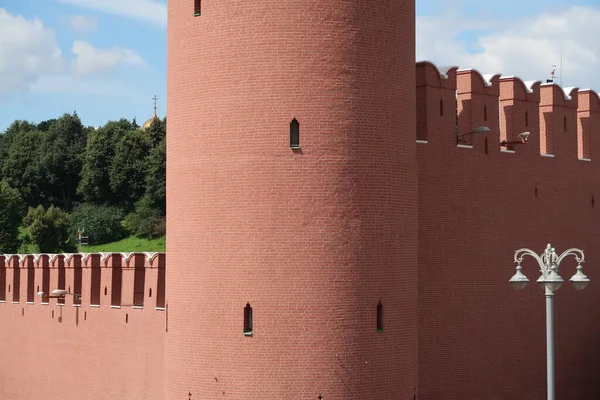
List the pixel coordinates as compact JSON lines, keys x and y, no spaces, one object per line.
{"x":291,"y":200}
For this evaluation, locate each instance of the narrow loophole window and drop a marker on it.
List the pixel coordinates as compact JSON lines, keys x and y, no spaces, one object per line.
{"x":150,"y":292}
{"x":441,"y":107}
{"x":295,"y":134}
{"x":526,"y":118}
{"x":166,"y":317}
{"x":105,"y":290}
{"x":485,"y":113}
{"x":565,"y":123}
{"x":247,"y":319}
{"x":85,"y":315}
{"x":197,"y":8}
{"x":379,"y":317}
{"x":126,"y":318}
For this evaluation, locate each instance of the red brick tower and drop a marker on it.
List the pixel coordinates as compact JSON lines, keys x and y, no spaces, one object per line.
{"x":280,"y":255}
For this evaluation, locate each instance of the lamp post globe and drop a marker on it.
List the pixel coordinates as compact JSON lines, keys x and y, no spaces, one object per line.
{"x":518,"y":280}
{"x":579,"y":280}
{"x":553,"y":281}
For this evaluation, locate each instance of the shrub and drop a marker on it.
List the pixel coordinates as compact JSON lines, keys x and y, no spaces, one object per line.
{"x":146,"y":220}
{"x":49,"y":229}
{"x":100,"y":223}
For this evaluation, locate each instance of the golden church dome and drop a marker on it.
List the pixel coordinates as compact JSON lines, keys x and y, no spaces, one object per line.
{"x":154,"y":118}
{"x":150,"y":121}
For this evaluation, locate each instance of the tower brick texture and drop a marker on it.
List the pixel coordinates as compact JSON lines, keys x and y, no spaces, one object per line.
{"x":308,"y":237}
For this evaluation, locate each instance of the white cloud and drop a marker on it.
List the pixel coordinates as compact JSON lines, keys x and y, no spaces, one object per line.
{"x":526,"y":48}
{"x":84,"y":23}
{"x":153,"y":11}
{"x":28,"y":50}
{"x":90,"y":60}
{"x":70,"y":85}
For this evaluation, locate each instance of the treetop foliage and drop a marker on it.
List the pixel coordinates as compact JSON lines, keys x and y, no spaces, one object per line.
{"x":59,"y":164}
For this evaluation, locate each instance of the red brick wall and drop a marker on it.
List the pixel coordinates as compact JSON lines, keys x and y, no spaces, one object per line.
{"x":314,"y":238}
{"x":91,"y":352}
{"x":478,"y":339}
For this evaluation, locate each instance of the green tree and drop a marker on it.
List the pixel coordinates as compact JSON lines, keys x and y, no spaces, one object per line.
{"x":44,"y":126}
{"x":100,"y":151}
{"x":157,"y":130}
{"x":22,"y":167}
{"x":7,"y":137}
{"x":146,"y":220}
{"x":63,"y":153}
{"x":129,"y":166}
{"x":101,"y":224}
{"x":156,"y":177}
{"x":11,"y":213}
{"x":49,"y":229}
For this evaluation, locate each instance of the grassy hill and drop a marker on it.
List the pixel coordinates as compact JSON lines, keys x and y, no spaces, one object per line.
{"x":127,"y":245}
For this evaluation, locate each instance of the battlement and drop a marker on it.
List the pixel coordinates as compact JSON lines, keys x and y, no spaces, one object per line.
{"x":102,"y":279}
{"x":562,"y":123}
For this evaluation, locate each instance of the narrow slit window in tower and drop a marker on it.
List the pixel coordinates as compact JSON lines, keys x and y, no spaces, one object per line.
{"x":247,"y":320}
{"x":565,"y":123}
{"x":197,"y":8}
{"x":485,"y":113}
{"x":379,"y":317}
{"x":295,"y":134}
{"x":526,"y":118}
{"x":441,"y":107}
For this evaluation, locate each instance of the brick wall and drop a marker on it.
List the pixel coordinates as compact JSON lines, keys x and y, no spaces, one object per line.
{"x":478,"y":339}
{"x":86,"y":349}
{"x":313,"y":239}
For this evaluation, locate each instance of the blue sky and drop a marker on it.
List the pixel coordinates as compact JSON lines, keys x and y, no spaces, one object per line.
{"x":106,"y":59}
{"x":120,"y":63}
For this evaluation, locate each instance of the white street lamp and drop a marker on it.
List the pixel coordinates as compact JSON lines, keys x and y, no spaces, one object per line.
{"x":551,"y":281}
{"x":59,"y":294}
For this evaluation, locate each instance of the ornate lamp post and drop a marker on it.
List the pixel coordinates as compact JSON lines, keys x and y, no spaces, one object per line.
{"x":551,"y":281}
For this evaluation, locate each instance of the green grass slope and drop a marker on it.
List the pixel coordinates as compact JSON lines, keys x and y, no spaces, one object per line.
{"x":128,"y":245}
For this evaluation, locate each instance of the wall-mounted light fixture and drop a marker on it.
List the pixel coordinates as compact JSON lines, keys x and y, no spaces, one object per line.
{"x":59,"y":294}
{"x":521,"y":139}
{"x":479,"y":129}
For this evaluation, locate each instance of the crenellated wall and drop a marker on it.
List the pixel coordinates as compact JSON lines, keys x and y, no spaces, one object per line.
{"x":588,"y":122}
{"x":107,"y":344}
{"x":480,"y":202}
{"x":451,"y":102}
{"x":480,"y":197}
